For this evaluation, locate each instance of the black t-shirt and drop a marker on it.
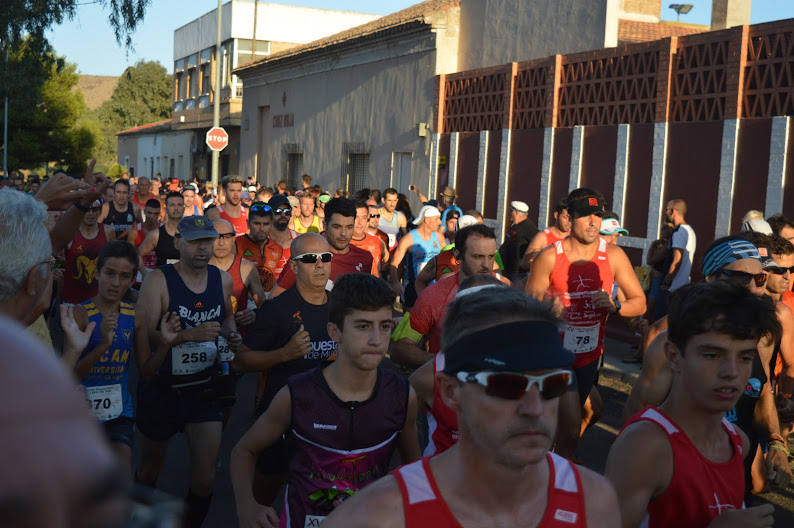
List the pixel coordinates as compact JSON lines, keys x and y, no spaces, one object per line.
{"x":276,"y":322}
{"x":518,"y":238}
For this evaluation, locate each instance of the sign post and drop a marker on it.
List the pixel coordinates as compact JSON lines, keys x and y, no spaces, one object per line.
{"x":216,"y":99}
{"x":217,"y":139}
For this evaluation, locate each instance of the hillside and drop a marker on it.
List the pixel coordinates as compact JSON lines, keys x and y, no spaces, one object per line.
{"x":96,"y":89}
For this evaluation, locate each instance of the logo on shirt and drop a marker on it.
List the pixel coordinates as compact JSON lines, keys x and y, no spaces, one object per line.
{"x":199,"y":317}
{"x":565,"y":516}
{"x":359,"y":266}
{"x":582,"y":283}
{"x":325,"y":427}
{"x":199,"y":305}
{"x":720,"y":507}
{"x":248,"y":253}
{"x":297,"y":317}
{"x":753,"y":388}
{"x":494,"y":361}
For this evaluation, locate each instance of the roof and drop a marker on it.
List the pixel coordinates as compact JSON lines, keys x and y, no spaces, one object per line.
{"x":157,"y":126}
{"x":414,"y":13}
{"x":635,"y":31}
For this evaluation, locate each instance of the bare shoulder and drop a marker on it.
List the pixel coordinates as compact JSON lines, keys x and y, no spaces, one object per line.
{"x":784,"y":313}
{"x":601,"y":501}
{"x":547,"y":256}
{"x":379,"y":504}
{"x":635,"y":446}
{"x":616,"y":255}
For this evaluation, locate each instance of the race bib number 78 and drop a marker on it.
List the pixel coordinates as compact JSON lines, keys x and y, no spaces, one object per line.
{"x":581,"y":339}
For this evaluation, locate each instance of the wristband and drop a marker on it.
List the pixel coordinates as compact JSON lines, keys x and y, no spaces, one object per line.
{"x":776,"y":437}
{"x":780,"y":448}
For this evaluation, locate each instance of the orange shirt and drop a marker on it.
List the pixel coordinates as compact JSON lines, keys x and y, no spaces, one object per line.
{"x":265,"y":259}
{"x":372,"y":244}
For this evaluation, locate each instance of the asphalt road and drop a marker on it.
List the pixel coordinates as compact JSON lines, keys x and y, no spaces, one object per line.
{"x":614,"y":386}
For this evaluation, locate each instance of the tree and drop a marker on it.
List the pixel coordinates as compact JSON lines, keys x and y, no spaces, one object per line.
{"x":143,"y":95}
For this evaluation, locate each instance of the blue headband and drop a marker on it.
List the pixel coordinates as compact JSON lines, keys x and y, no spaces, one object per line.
{"x":727,"y":252}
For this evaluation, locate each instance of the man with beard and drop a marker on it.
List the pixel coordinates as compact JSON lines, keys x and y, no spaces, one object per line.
{"x":79,"y":281}
{"x":391,"y":221}
{"x":232,"y":209}
{"x":161,"y":241}
{"x":281,"y":234}
{"x":258,"y":246}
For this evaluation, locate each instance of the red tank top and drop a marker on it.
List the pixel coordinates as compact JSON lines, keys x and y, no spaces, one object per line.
{"x":240,"y":223}
{"x":575,"y":285}
{"x":239,"y":290}
{"x":551,"y":238}
{"x":79,"y":277}
{"x":150,"y":259}
{"x":266,"y":259}
{"x":700,"y":489}
{"x":442,"y":422}
{"x":370,"y":243}
{"x":424,"y":506}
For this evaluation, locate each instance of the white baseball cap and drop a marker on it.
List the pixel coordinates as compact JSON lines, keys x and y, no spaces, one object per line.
{"x":520,"y":206}
{"x":427,"y":211}
{"x":466,"y":221}
{"x":611,"y":226}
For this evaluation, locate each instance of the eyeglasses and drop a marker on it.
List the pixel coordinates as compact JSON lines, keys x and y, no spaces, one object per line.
{"x":743,"y":276}
{"x":374,"y":216}
{"x":224,"y":236}
{"x":281,"y":210}
{"x":260,"y":207}
{"x":513,"y":385}
{"x":779,"y":270}
{"x":311,"y":258}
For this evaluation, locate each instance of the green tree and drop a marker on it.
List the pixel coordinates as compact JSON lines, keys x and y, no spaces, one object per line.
{"x":143,"y":95}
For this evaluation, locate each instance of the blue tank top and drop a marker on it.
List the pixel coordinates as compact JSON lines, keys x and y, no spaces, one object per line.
{"x":422,"y":252}
{"x":392,"y":229}
{"x":107,"y":383}
{"x":192,"y":362}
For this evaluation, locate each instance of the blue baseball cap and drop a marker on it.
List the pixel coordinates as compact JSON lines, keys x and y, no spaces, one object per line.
{"x":195,"y":228}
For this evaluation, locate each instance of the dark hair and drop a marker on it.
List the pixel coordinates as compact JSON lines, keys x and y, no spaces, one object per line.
{"x":462,"y":236}
{"x":173,"y":194}
{"x":479,"y":279}
{"x":611,"y":214}
{"x":759,"y":240}
{"x":362,"y":204}
{"x":475,"y":213}
{"x":118,"y":249}
{"x":357,"y":291}
{"x":263,"y":212}
{"x":306,"y":178}
{"x":153,"y":202}
{"x":361,"y":194}
{"x":121,"y":181}
{"x":341,"y":206}
{"x":720,"y":307}
{"x":584,"y":192}
{"x":390,"y":190}
{"x":778,"y":222}
{"x":230,"y":179}
{"x":375,"y":195}
{"x":561,"y":206}
{"x":780,"y":246}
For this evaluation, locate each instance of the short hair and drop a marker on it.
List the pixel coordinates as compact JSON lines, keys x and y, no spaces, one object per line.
{"x":610,"y":214}
{"x":752,"y":214}
{"x":362,"y":204}
{"x":357,"y":291}
{"x":260,"y":212}
{"x":230,"y":179}
{"x":780,"y":246}
{"x":306,"y":178}
{"x":778,"y":222}
{"x":153,"y":202}
{"x":306,"y":196}
{"x":123,"y":182}
{"x":475,"y":213}
{"x":341,"y":206}
{"x":173,"y":194}
{"x":118,"y":249}
{"x":488,"y":307}
{"x":390,"y":190}
{"x":375,"y":195}
{"x":561,"y":206}
{"x":24,"y":240}
{"x":361,"y":194}
{"x":463,"y":235}
{"x":721,"y":307}
{"x":679,"y":205}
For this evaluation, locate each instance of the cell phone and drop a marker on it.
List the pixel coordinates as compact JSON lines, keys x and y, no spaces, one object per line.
{"x":412,"y":187}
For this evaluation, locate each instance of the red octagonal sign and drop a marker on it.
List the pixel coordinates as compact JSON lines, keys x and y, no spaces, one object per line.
{"x":217,"y":138}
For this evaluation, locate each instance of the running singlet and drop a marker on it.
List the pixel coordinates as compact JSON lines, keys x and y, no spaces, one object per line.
{"x":391,"y":228}
{"x":575,"y":285}
{"x":265,"y":260}
{"x":442,"y":422}
{"x":428,"y":312}
{"x":165,"y":249}
{"x":240,"y":223}
{"x":551,"y":238}
{"x":79,"y":280}
{"x":120,"y":222}
{"x":338,"y":447}
{"x":239,"y":289}
{"x":107,"y":383}
{"x":354,"y":261}
{"x":315,"y":227}
{"x":700,"y":489}
{"x":371,"y":244}
{"x":191,"y":361}
{"x":424,"y":505}
{"x":150,"y":259}
{"x":282,"y":262}
{"x":422,"y":252}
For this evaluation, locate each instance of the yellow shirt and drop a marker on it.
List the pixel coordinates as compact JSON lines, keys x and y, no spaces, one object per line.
{"x":314,"y":227}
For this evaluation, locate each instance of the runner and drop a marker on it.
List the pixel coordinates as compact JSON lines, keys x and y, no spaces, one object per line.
{"x":257,"y":245}
{"x":192,"y":200}
{"x":578,"y":273}
{"x":681,"y":464}
{"x":363,"y":240}
{"x":345,"y":419}
{"x":559,"y":230}
{"x":500,"y":473}
{"x":289,"y":336}
{"x":423,"y":243}
{"x":391,"y":221}
{"x":143,"y":193}
{"x":340,"y":216}
{"x":445,"y":263}
{"x":120,"y":213}
{"x":80,"y":266}
{"x":231,"y":209}
{"x":281,"y":234}
{"x":142,"y":230}
{"x":176,"y":388}
{"x":163,"y":240}
{"x":372,"y":224}
{"x":306,"y":221}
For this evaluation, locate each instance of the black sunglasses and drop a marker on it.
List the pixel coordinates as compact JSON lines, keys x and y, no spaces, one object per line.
{"x":225,"y":235}
{"x":374,"y":216}
{"x":260,"y":207}
{"x":779,"y":270}
{"x":311,"y":258}
{"x":744,"y":277}
{"x":513,"y":385}
{"x":280,"y":210}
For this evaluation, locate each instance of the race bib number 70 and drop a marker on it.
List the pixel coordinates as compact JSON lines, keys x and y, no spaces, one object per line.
{"x":106,"y":401}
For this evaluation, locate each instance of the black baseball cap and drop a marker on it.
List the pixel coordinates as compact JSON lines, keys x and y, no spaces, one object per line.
{"x":277,"y":200}
{"x":195,"y":228}
{"x":585,"y":206}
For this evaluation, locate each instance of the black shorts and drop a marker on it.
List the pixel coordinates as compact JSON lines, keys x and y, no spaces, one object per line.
{"x":274,"y":459}
{"x":120,"y":430}
{"x":163,"y":411}
{"x":586,"y":379}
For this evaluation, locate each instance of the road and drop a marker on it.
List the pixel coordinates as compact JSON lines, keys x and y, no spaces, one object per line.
{"x":614,"y":386}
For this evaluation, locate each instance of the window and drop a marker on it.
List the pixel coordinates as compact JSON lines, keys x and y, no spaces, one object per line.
{"x":205,"y":79}
{"x":358,"y":171}
{"x":194,"y":82}
{"x":244,"y":50}
{"x":293,"y":164}
{"x":171,"y":169}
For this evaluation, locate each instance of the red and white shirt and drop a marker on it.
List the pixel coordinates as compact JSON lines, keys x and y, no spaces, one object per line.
{"x":442,"y":422}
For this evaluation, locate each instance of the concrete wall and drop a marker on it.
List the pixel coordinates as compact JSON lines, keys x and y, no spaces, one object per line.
{"x":494,"y":32}
{"x":127,"y":148}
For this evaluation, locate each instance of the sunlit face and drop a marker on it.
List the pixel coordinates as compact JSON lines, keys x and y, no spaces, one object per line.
{"x":339,"y":231}
{"x":390,"y":202}
{"x":175,"y":208}
{"x":364,"y":339}
{"x":121,"y":195}
{"x":115,"y":278}
{"x":563,"y":221}
{"x":777,"y":283}
{"x":751,"y":266}
{"x":478,"y":256}
{"x":223,"y":245}
{"x":234,"y":193}
{"x":360,"y":224}
{"x":189,"y":196}
{"x":259,"y":227}
{"x":432,"y":222}
{"x":586,"y":228}
{"x":307,"y":206}
{"x":787,"y":233}
{"x":373,"y":217}
{"x":313,"y":275}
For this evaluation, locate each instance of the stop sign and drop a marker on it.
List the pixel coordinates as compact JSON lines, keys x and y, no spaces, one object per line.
{"x":217,"y":138}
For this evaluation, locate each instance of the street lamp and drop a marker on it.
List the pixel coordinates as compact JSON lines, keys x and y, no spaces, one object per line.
{"x":681,"y":9}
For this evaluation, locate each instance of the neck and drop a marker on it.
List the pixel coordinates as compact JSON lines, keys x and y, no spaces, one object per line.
{"x":119,"y":207}
{"x":360,"y":236}
{"x":424,"y":231}
{"x":340,"y":251}
{"x":308,"y":218}
{"x":189,"y":271}
{"x":678,"y":221}
{"x":777,"y":297}
{"x":348,"y":382}
{"x":699,"y":425}
{"x":311,"y":294}
{"x":223,"y":263}
{"x":89,"y":229}
{"x":170,"y":225}
{"x":229,"y":207}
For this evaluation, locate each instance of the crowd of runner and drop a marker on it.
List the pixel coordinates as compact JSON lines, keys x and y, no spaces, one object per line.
{"x":374,"y":330}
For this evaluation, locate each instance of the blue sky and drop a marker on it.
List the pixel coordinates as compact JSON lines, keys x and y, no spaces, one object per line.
{"x":88,"y":41}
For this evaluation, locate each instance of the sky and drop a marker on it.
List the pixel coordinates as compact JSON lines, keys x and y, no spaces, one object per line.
{"x":88,"y":40}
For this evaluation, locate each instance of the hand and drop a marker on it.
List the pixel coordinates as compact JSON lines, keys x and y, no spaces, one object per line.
{"x":778,"y":470}
{"x":76,"y":339}
{"x":244,"y":317}
{"x":298,"y":346}
{"x":61,"y":191}
{"x":257,"y":516}
{"x":170,"y":325}
{"x":666,"y":282}
{"x":204,"y":332}
{"x":756,"y":517}
{"x":98,"y":182}
{"x":601,"y":299}
{"x":108,"y":327}
{"x":234,"y":340}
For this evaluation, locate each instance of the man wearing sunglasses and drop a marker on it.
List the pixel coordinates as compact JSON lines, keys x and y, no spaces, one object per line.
{"x":79,"y":276}
{"x":363,"y":240}
{"x":340,"y":214}
{"x":281,"y":233}
{"x":289,"y":336}
{"x":681,"y":463}
{"x":504,"y":373}
{"x":579,"y":273}
{"x":258,"y":246}
{"x":373,"y":222}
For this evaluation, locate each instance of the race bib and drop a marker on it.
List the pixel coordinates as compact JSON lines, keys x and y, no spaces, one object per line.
{"x":171,"y":261}
{"x":581,"y":339}
{"x":392,"y":239}
{"x":106,"y":401}
{"x":190,"y":358}
{"x":313,"y":521}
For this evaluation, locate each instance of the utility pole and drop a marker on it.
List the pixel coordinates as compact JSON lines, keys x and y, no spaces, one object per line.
{"x":216,"y":112}
{"x":5,"y":112}
{"x":253,"y":39}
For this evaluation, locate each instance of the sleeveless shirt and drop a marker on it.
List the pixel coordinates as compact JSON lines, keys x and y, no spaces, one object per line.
{"x":79,"y":278}
{"x":551,"y":238}
{"x":422,"y":251}
{"x":240,"y":223}
{"x":239,"y":289}
{"x":391,"y":228}
{"x":424,"y":505}
{"x":265,"y":259}
{"x":314,"y":227}
{"x":165,"y":249}
{"x":442,"y":422}
{"x":120,"y":221}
